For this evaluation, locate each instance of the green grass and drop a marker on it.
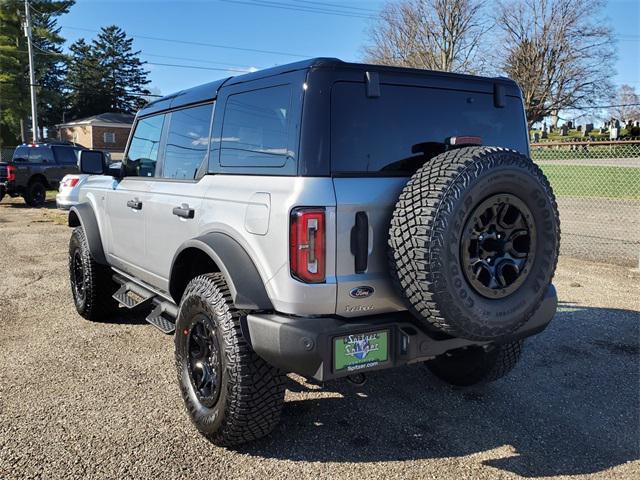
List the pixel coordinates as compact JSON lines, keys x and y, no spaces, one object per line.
{"x":594,"y":181}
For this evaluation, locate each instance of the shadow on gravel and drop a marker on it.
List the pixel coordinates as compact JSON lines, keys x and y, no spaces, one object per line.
{"x":570,"y":407}
{"x":49,"y":204}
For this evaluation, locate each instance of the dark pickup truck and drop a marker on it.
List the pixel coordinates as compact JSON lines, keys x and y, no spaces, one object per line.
{"x":36,"y":168}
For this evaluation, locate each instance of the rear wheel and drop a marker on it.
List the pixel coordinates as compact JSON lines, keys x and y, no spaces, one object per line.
{"x":474,"y":242}
{"x":36,"y":194}
{"x":92,"y":285}
{"x":472,"y":365}
{"x":231,"y":394}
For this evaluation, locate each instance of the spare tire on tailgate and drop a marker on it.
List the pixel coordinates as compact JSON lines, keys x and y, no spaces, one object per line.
{"x":474,"y":242}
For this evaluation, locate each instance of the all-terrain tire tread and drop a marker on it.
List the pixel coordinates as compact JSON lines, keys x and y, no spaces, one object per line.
{"x":98,"y":282}
{"x":417,"y":231}
{"x":255,"y":390}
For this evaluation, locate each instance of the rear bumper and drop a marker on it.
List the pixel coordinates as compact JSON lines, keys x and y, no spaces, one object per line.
{"x":305,"y":345}
{"x":64,"y":202}
{"x":8,"y":187}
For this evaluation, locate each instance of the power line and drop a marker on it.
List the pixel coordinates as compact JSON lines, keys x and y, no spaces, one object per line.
{"x":248,"y":67}
{"x":200,"y":44}
{"x":301,"y":8}
{"x":196,"y":67}
{"x":604,"y":106}
{"x":327,"y":4}
{"x":230,"y":68}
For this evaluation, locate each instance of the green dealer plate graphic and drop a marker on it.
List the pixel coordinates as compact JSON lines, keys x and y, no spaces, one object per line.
{"x":362,"y":350}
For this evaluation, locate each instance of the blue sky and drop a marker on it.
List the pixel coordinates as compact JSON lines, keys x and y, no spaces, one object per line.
{"x":287,"y":34}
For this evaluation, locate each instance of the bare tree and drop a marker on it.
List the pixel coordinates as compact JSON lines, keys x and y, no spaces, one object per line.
{"x":559,"y":52}
{"x":627,"y":104}
{"x":432,"y":34}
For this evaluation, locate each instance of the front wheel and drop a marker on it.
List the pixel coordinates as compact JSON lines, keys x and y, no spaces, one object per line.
{"x":472,"y":365}
{"x":231,"y":394}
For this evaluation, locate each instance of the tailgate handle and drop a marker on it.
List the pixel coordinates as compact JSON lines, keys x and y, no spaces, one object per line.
{"x":360,"y":242}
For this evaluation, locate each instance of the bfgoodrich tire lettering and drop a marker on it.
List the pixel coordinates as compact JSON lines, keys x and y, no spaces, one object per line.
{"x":251,"y":392}
{"x":428,"y":228}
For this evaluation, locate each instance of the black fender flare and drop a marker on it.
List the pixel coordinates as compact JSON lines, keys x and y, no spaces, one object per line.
{"x":82,"y":215}
{"x":245,"y":283}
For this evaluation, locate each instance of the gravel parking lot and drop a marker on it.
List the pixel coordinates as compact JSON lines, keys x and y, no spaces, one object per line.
{"x":100,"y":400}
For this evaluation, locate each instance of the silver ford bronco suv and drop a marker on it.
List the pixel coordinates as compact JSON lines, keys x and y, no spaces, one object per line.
{"x":323,"y":218}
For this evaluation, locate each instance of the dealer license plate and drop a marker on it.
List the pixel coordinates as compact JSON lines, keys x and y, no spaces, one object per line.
{"x":360,"y":351}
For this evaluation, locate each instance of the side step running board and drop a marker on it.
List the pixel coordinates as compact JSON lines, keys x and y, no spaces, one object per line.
{"x":163,"y":317}
{"x":134,"y":295}
{"x":131,"y":295}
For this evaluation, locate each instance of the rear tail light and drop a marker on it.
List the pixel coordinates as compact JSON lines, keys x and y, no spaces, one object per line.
{"x":11,"y":173}
{"x":70,"y":182}
{"x":307,"y":244}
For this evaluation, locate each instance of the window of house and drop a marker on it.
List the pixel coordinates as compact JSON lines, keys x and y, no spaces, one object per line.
{"x":187,"y":142}
{"x":109,"y":137}
{"x":255,"y":130}
{"x":144,"y":147}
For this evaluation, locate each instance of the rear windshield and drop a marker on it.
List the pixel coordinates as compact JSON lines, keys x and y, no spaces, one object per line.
{"x":395,"y":133}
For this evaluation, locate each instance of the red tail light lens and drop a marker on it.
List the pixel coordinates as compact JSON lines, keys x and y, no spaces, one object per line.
{"x":72,"y":182}
{"x":11,"y":173}
{"x":307,"y":244}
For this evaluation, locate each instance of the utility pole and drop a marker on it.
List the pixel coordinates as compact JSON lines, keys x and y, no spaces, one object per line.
{"x":32,"y":73}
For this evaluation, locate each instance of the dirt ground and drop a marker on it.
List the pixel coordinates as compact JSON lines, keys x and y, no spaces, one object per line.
{"x":601,"y":229}
{"x":100,"y":400}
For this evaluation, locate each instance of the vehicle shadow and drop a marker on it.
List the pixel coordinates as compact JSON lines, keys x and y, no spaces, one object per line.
{"x":570,"y":407}
{"x":49,"y":204}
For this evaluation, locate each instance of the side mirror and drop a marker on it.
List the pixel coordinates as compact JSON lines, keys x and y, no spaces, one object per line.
{"x":91,"y":162}
{"x":116,"y":170}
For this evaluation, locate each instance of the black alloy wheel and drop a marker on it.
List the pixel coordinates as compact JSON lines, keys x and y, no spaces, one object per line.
{"x":498,"y":245}
{"x":77,"y":270}
{"x":204,"y":362}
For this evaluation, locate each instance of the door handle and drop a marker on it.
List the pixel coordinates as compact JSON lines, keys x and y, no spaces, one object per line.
{"x":184,"y":211}
{"x":135,"y":204}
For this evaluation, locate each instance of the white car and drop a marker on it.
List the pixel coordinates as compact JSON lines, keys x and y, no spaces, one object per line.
{"x":69,"y":190}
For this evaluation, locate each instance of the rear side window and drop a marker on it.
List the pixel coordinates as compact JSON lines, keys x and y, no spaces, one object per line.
{"x":40,"y":155}
{"x":65,"y":155}
{"x":187,"y":142}
{"x":144,"y":147}
{"x":397,"y":132}
{"x":255,"y":129}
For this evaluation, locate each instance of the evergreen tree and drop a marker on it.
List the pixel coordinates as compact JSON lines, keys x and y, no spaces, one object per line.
{"x":106,"y":75}
{"x":14,"y":65}
{"x":84,"y":81}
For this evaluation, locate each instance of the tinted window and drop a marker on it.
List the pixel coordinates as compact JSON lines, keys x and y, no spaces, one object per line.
{"x":256,"y":128}
{"x":398,"y":131}
{"x":187,"y":142}
{"x":65,"y":155}
{"x":40,"y":155}
{"x":21,"y":154}
{"x":143,"y":150}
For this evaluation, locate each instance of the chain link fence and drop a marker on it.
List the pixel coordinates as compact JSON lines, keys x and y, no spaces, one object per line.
{"x":6,"y":153}
{"x":597,"y":185}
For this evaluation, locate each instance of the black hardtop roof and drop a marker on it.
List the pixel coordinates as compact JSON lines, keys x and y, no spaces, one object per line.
{"x":209,"y":91}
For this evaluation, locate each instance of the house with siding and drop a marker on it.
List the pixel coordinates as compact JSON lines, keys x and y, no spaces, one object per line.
{"x":107,"y":131}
